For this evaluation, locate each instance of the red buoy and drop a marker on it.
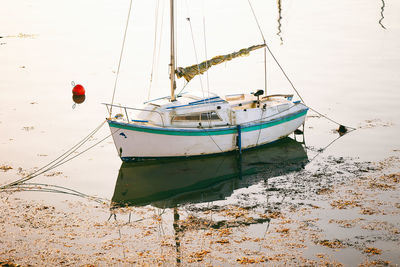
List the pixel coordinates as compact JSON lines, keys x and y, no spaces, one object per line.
{"x":78,"y":90}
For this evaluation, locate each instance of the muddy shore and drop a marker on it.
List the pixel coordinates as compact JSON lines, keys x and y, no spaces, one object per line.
{"x":342,"y":213}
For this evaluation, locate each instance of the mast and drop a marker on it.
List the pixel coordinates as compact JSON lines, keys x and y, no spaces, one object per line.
{"x":172,"y":62}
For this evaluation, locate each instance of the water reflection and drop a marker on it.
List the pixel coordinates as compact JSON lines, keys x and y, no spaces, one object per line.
{"x":382,"y":17}
{"x":170,"y":183}
{"x":279,"y":33}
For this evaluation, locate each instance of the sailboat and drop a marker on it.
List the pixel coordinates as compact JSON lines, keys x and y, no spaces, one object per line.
{"x":191,"y":124}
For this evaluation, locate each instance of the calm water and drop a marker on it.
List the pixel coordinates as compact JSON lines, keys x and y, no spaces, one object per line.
{"x":343,"y":57}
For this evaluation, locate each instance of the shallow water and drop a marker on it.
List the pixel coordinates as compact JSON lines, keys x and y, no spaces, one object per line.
{"x":343,"y":58}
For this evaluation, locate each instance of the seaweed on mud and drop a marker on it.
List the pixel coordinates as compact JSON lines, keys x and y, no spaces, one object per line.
{"x":288,"y":219}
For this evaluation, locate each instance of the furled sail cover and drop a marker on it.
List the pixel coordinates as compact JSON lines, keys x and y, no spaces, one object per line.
{"x":191,"y":71}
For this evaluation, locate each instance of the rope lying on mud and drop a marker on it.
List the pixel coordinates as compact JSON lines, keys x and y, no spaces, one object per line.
{"x":62,"y":159}
{"x":48,"y":188}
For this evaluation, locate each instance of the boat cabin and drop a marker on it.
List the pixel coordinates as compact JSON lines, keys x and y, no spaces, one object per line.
{"x":194,"y":110}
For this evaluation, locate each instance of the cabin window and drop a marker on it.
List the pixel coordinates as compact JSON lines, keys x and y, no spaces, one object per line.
{"x":191,"y":117}
{"x":205,"y":116}
{"x":210,"y":116}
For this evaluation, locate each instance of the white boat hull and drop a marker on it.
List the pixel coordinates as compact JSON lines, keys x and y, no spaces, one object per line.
{"x":135,"y":141}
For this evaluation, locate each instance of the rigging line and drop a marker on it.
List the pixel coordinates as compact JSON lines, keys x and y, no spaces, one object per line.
{"x":284,"y":73}
{"x":265,"y":71}
{"x":121,"y":54}
{"x":184,"y":86}
{"x":154,"y":47}
{"x":259,"y":132}
{"x":205,"y":52}
{"x":208,"y":134}
{"x":60,"y":158}
{"x":255,"y":17}
{"x":259,"y":120}
{"x":194,"y":47}
{"x":195,"y":52}
{"x":298,"y":94}
{"x":161,"y":34}
{"x":175,"y":39}
{"x":265,"y":51}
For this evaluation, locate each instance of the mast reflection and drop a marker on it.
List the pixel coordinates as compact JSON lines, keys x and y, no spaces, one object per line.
{"x":382,"y":17}
{"x":279,"y":33}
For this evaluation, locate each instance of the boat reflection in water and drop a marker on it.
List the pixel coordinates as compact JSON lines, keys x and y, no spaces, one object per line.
{"x":174,"y":182}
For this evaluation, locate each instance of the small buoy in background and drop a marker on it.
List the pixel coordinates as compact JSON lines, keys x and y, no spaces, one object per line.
{"x":78,"y":94}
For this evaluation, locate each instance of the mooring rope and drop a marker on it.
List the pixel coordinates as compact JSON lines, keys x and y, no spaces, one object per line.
{"x":47,"y":188}
{"x":60,"y":160}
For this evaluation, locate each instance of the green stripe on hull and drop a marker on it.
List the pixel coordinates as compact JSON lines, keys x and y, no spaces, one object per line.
{"x":273,"y":123}
{"x":204,"y":132}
